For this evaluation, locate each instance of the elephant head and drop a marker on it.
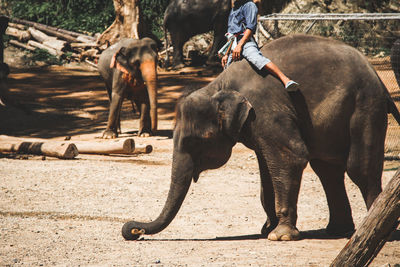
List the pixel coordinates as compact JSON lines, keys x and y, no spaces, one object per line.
{"x":139,"y":59}
{"x":207,"y":127}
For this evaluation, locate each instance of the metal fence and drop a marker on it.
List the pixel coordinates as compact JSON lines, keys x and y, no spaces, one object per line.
{"x":372,"y":33}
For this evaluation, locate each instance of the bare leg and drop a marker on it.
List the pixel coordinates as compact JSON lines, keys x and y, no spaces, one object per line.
{"x":271,"y":67}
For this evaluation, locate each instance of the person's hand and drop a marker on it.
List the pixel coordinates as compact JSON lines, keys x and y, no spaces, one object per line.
{"x":224,"y":60}
{"x":237,"y":52}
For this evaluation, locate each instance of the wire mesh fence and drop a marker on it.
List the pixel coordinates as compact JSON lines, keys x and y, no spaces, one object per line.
{"x":372,"y":34}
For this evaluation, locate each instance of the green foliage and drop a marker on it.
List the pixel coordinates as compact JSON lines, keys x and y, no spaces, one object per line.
{"x":77,"y":15}
{"x":153,"y":15}
{"x":84,"y":15}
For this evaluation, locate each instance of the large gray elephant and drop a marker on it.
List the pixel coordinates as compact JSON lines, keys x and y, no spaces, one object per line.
{"x":337,"y":122}
{"x":129,"y":69}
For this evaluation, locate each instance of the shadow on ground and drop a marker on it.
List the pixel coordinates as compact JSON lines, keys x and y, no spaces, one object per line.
{"x":64,"y":101}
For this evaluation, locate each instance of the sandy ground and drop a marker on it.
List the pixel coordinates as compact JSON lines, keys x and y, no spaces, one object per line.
{"x":70,"y":212}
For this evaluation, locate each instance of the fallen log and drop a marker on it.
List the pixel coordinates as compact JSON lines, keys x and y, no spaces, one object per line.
{"x":50,"y":50}
{"x":58,"y":45}
{"x":60,"y":35}
{"x":19,"y":34}
{"x":53,"y":29}
{"x":39,"y":35}
{"x":61,"y":150}
{"x":117,"y":146}
{"x":94,"y":65}
{"x":83,"y":45}
{"x":143,"y":149}
{"x":17,"y":26}
{"x":21,"y":45}
{"x":374,"y":231}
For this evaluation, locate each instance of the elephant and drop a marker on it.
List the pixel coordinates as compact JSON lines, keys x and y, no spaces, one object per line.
{"x":129,"y":69}
{"x":337,"y":122}
{"x":186,"y":18}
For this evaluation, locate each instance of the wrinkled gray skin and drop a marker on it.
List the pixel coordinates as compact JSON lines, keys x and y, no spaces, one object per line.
{"x":337,"y":122}
{"x":139,"y":57}
{"x":186,"y":18}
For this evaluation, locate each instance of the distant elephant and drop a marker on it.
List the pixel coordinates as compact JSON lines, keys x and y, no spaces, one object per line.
{"x":129,"y":69}
{"x":186,"y":18}
{"x":395,"y":60}
{"x":337,"y":122}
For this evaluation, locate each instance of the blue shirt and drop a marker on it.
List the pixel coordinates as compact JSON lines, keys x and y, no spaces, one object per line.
{"x":242,"y":18}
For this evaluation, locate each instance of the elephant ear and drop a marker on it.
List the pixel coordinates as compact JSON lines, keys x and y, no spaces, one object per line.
{"x":120,"y":60}
{"x":233,"y":111}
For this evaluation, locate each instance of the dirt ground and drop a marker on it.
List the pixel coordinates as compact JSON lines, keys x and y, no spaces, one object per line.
{"x":70,"y":212}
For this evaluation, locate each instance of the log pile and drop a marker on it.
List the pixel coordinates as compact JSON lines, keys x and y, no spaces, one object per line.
{"x":57,"y":42}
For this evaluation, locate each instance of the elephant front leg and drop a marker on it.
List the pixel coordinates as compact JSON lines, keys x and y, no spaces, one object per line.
{"x":113,"y":117}
{"x":145,"y":121}
{"x":285,"y":167}
{"x":286,"y":186}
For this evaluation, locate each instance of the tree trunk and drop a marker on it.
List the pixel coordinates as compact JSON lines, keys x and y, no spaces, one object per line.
{"x":127,"y":23}
{"x":381,"y":221}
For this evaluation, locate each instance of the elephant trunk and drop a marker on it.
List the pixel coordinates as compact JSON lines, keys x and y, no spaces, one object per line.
{"x":181,"y":177}
{"x":149,"y":74}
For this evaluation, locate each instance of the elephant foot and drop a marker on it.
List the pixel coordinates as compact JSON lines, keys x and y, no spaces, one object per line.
{"x":284,"y":233}
{"x":340,"y":230}
{"x":109,"y":134}
{"x":145,"y":134}
{"x":130,"y":233}
{"x":268,"y":227}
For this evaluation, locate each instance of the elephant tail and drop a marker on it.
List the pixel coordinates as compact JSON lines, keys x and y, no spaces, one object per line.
{"x":392,"y":109}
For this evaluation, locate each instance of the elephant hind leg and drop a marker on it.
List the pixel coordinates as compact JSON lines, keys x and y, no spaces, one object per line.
{"x":366,"y":155}
{"x":332,"y":179}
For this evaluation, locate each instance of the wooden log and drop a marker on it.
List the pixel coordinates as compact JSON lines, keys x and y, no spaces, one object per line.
{"x":90,"y":63}
{"x":58,"y":45}
{"x":60,"y":150}
{"x":50,"y":50}
{"x":84,"y":39}
{"x":20,"y":35}
{"x":43,"y":26}
{"x":17,"y":26}
{"x":60,"y":35}
{"x":143,"y":149}
{"x":117,"y":146}
{"x":381,"y":221}
{"x":83,"y":45}
{"x":39,"y":35}
{"x":90,"y":53}
{"x":21,"y":45}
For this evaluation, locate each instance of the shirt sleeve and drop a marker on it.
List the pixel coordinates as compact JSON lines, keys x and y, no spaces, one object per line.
{"x":250,"y":14}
